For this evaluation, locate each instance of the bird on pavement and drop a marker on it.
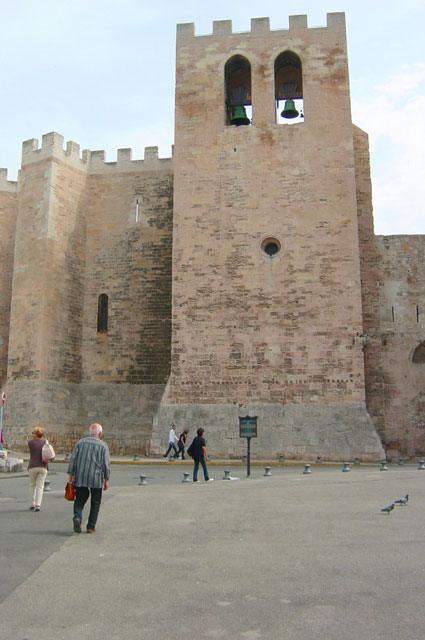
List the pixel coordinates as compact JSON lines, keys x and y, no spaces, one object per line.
{"x":402,"y":500}
{"x":388,"y":509}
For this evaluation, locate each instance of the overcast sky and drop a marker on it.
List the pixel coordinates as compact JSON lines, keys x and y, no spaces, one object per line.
{"x":101,"y":73}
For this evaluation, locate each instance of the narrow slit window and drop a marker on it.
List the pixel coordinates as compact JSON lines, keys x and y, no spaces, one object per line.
{"x":392,"y":314}
{"x":417,"y":313}
{"x":102,"y":314}
{"x":288,"y":82}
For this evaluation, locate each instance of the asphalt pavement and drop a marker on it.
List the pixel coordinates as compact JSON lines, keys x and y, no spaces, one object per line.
{"x":286,"y":556}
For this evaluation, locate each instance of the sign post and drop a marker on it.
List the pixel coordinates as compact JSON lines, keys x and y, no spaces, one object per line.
{"x":248,"y":430}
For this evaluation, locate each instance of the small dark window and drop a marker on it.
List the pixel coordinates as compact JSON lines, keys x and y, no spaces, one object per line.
{"x":102,"y":313}
{"x":419,"y":354}
{"x":270,"y":246}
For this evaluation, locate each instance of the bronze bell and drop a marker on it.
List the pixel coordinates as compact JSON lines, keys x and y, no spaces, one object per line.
{"x":289,"y":110}
{"x":239,"y":116}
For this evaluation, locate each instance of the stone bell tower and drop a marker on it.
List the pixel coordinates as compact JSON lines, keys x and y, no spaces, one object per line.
{"x":267,"y":315}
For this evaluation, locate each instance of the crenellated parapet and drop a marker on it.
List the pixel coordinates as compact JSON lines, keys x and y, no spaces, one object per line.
{"x":10,"y":186}
{"x":260,"y":27}
{"x":126,"y":164}
{"x":52,"y":147}
{"x":90,"y":161}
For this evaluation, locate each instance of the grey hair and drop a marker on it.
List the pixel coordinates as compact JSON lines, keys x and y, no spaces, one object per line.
{"x":96,"y":429}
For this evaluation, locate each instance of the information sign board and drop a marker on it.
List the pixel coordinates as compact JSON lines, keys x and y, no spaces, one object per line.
{"x":248,"y":427}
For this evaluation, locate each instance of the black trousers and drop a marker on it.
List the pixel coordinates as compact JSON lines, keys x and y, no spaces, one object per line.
{"x":81,"y":497}
{"x":181,"y":449}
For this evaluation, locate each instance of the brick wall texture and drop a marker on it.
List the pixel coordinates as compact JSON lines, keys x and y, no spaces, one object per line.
{"x":203,"y":325}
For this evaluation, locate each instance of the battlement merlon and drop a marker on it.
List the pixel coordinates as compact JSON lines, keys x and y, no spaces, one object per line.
{"x":10,"y":186}
{"x":90,"y":161}
{"x":52,"y":147}
{"x":260,"y":27}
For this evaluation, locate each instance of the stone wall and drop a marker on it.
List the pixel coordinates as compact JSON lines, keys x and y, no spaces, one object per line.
{"x":130,"y":262}
{"x":46,"y":313}
{"x":395,"y":383}
{"x":250,"y":329}
{"x":66,"y":411}
{"x":77,"y":237}
{"x":247,"y":326}
{"x":8,"y":214}
{"x":393,"y":298}
{"x":203,"y":325}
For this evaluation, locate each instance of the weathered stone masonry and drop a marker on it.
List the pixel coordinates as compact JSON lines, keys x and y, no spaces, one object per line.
{"x":77,"y":238}
{"x":204,"y":325}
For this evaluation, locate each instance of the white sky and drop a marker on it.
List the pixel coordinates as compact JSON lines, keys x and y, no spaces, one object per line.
{"x":101,"y":73}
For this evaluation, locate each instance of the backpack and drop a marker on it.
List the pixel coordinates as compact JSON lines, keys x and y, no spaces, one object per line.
{"x":190,"y":451}
{"x":47,"y":452}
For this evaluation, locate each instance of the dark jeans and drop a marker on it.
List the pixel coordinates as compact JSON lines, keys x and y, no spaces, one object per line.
{"x":195,"y":469}
{"x":81,"y":497}
{"x":181,"y":449}
{"x":169,"y":449}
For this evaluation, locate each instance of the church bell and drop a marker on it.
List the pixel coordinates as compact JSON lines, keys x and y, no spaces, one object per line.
{"x":239,"y":116}
{"x":289,"y":110}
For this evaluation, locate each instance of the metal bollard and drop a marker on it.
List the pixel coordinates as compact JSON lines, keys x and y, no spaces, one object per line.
{"x":186,"y":475}
{"x":227,"y":475}
{"x":346,"y":466}
{"x":307,"y":468}
{"x":356,"y":460}
{"x":142,"y":479}
{"x":319,"y":460}
{"x":46,"y":485}
{"x":267,"y":471}
{"x":384,"y":466}
{"x":421,"y":464}
{"x":400,"y":461}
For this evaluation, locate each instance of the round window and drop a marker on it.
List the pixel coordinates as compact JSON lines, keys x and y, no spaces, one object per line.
{"x":270,"y":246}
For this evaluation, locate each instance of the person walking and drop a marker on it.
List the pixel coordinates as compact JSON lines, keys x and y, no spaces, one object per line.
{"x":182,"y":442}
{"x":89,"y":470}
{"x":198,"y":451}
{"x":37,"y":468}
{"x":172,"y":439}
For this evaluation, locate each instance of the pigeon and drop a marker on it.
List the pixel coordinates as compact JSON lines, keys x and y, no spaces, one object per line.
{"x":388,"y":509}
{"x":402,"y":500}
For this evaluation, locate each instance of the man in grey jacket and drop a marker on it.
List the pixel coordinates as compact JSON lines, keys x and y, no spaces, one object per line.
{"x":89,"y":470}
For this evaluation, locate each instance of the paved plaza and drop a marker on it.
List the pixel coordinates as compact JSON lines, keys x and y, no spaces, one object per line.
{"x":288,"y":556}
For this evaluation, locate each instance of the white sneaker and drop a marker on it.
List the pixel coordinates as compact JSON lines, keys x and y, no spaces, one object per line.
{"x":210,"y":480}
{"x":196,"y":482}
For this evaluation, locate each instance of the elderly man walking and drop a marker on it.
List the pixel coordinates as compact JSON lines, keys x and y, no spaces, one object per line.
{"x":89,"y":471}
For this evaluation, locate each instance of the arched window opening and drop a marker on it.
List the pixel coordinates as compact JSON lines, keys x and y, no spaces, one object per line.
{"x":419,"y":354}
{"x":102,"y":314}
{"x":288,"y":82}
{"x":237,"y":78}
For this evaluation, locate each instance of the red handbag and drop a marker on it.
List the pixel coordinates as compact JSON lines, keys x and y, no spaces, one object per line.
{"x":69,"y":492}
